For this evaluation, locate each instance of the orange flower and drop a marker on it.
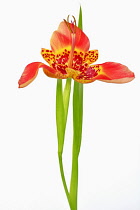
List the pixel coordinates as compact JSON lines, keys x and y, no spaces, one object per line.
{"x":70,"y":57}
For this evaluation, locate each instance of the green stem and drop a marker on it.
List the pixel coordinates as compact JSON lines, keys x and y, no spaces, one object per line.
{"x":77,"y":136}
{"x":63,"y":178}
{"x":74,"y":182}
{"x":77,"y":114}
{"x":77,"y":133}
{"x":66,"y":97}
{"x":60,"y":116}
{"x":62,"y":104}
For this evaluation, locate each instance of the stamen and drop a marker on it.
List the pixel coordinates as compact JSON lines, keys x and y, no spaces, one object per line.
{"x":74,"y":24}
{"x":67,"y":22}
{"x":70,"y":62}
{"x":68,"y":18}
{"x":72,"y":29}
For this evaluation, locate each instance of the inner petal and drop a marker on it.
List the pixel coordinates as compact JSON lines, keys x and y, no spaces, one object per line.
{"x":77,"y":59}
{"x":87,"y":73}
{"x":48,"y":55}
{"x":61,"y":60}
{"x":90,"y":56}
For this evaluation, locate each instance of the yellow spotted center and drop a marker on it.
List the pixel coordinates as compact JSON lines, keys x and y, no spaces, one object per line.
{"x":80,"y":62}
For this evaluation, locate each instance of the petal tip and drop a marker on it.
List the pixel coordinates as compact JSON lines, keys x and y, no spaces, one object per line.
{"x":115,"y":73}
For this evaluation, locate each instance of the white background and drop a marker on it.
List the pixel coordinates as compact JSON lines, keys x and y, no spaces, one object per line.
{"x":110,"y":154}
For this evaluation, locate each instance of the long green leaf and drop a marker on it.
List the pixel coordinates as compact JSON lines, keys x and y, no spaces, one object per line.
{"x":77,"y":133}
{"x":61,"y":118}
{"x":80,"y":21}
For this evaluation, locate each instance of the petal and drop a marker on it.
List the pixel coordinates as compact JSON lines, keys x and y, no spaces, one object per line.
{"x":107,"y":72}
{"x":114,"y":73}
{"x":62,"y":38}
{"x":87,"y":74}
{"x":31,"y":71}
{"x":48,"y":55}
{"x":82,"y":41}
{"x":59,"y":42}
{"x":90,"y":56}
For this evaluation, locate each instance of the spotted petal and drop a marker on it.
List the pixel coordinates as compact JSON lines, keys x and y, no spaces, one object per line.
{"x":62,"y":39}
{"x":31,"y":71}
{"x":48,"y":55}
{"x":86,"y":74}
{"x":107,"y":72}
{"x":90,"y":56}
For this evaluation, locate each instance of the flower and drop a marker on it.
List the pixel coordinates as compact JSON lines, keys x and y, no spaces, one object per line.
{"x":70,"y":57}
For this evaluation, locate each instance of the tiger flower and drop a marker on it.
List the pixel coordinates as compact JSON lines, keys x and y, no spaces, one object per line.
{"x":70,"y":57}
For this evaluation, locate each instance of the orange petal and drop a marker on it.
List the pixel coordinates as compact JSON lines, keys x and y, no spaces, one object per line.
{"x":31,"y":71}
{"x":62,"y":38}
{"x":114,"y":73}
{"x":59,"y":42}
{"x":48,"y":55}
{"x":82,"y":41}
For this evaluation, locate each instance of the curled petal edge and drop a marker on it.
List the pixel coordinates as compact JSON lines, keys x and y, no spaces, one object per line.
{"x":31,"y":70}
